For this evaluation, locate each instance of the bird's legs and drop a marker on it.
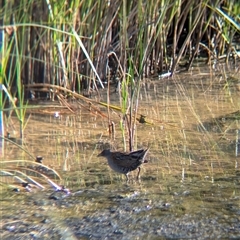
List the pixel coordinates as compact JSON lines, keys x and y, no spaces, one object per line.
{"x":138,"y":175}
{"x":127,"y":178}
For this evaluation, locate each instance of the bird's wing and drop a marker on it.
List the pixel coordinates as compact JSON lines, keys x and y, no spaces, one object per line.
{"x":129,"y":159}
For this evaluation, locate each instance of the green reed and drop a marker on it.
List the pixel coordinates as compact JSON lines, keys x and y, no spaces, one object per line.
{"x":136,"y":28}
{"x":67,"y":44}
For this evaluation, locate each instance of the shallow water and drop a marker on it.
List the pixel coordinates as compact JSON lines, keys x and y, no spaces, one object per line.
{"x":189,"y":189}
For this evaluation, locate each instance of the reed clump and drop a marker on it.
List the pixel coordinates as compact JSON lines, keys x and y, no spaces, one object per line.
{"x":79,"y":44}
{"x":57,"y":50}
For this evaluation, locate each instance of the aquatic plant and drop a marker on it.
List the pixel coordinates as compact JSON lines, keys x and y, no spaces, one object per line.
{"x":154,"y":35}
{"x":79,"y":45}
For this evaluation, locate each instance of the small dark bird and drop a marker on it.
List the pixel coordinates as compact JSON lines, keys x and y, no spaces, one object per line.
{"x":125,"y":162}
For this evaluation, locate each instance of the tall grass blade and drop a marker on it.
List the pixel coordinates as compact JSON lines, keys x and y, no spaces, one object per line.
{"x":87,"y":56}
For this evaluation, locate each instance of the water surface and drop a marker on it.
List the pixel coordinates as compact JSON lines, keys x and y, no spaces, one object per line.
{"x":189,"y":188}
